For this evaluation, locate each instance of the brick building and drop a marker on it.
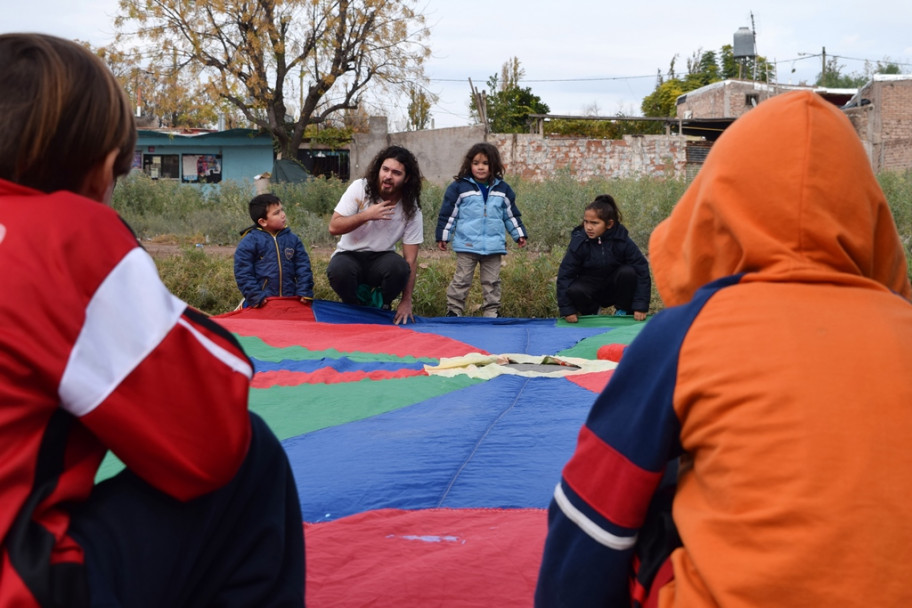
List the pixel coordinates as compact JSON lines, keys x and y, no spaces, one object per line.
{"x":732,"y":98}
{"x":881,"y":112}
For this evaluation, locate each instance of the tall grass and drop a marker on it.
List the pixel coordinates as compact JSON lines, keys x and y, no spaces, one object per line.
{"x":188,"y":215}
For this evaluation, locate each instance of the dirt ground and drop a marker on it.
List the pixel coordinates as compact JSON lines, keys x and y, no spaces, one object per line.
{"x":165,"y":250}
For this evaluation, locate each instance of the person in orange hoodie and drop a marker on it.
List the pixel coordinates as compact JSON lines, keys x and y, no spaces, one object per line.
{"x":777,"y":412}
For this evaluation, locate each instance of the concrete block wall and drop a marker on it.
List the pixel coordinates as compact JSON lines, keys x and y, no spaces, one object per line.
{"x":440,"y":151}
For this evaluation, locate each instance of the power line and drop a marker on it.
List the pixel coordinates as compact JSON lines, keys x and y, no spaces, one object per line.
{"x":593,"y":79}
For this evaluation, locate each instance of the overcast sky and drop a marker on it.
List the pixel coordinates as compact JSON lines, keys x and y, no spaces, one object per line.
{"x":586,"y":53}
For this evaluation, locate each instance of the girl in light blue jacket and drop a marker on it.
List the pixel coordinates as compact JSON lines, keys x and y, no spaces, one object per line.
{"x":478,"y":210}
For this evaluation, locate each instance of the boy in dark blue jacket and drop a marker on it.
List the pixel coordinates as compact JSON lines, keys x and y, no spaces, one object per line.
{"x":603,"y":267}
{"x":271,"y":260}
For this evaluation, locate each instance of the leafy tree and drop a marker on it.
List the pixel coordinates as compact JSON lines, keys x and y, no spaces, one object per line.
{"x":703,"y":68}
{"x":163,"y":95}
{"x":508,"y":105}
{"x":748,"y":68}
{"x":248,"y":53}
{"x":419,"y":110}
{"x":833,"y":76}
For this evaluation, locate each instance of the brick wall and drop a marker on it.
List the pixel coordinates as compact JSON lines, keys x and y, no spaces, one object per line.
{"x":885,"y":124}
{"x":895,"y":105}
{"x":536,"y":158}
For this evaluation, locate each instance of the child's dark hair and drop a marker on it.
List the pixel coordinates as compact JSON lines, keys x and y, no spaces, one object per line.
{"x":61,"y":113}
{"x":493,"y":156}
{"x":260,"y":204}
{"x":605,"y":207}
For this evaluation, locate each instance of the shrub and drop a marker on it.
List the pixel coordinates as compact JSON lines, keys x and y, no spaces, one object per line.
{"x":179,"y":213}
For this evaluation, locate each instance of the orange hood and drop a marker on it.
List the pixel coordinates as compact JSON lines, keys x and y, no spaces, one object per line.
{"x":787,"y":193}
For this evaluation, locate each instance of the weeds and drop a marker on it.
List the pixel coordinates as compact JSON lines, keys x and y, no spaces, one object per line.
{"x":187,"y":215}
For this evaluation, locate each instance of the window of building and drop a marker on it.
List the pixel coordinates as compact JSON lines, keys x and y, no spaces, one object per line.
{"x":751,"y":99}
{"x":161,"y":166}
{"x":202,"y":168}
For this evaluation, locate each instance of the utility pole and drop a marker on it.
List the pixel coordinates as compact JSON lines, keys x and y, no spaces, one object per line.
{"x":823,"y":65}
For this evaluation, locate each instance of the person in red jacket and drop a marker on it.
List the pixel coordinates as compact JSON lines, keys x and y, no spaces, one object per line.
{"x":752,"y":447}
{"x":97,"y":355}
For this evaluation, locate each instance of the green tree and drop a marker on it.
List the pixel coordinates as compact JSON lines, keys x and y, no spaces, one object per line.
{"x":703,"y":68}
{"x":249,"y":53}
{"x":745,"y":68}
{"x":508,"y":105}
{"x":663,"y":100}
{"x":833,"y":76}
{"x":419,"y":110}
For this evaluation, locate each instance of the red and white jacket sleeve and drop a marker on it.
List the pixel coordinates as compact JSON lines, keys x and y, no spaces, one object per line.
{"x":160,"y":385}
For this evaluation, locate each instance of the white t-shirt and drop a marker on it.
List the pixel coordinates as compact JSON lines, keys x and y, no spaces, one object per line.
{"x":376,"y":235}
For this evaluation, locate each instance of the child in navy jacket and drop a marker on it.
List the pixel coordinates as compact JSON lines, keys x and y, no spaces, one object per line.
{"x":271,"y":260}
{"x":602,"y":267}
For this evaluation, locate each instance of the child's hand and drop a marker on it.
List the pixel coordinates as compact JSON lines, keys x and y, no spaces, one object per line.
{"x":639,"y":316}
{"x":522,"y":243}
{"x":306,"y":300}
{"x":441,"y":245}
{"x":571,"y":318}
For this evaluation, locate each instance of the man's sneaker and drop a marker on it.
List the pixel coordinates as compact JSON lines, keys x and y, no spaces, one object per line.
{"x":620,"y":312}
{"x":450,"y":313}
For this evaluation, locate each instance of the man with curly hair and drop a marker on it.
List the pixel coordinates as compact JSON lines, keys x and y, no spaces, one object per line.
{"x":375,"y":213}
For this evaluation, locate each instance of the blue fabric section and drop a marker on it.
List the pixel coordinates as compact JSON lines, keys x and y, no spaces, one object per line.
{"x":502,"y":335}
{"x":342,"y":364}
{"x":499,"y":444}
{"x":505,"y":335}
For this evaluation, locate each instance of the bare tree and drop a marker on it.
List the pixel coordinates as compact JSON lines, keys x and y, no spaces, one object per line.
{"x":250,"y":53}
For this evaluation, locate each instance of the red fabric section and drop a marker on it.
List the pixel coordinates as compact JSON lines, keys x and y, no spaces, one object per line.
{"x":623,"y":501}
{"x":392,"y":340}
{"x":611,"y":352}
{"x":287,"y":308}
{"x":595,"y":382}
{"x":434,"y":557}
{"x":326,"y":375}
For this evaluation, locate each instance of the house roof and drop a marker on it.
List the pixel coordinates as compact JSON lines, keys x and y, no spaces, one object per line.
{"x":201,"y":134}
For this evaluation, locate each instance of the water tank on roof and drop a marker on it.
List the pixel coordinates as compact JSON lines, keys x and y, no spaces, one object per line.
{"x":744,"y":43}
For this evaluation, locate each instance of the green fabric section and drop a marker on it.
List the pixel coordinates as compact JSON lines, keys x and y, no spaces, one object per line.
{"x":588,"y":347}
{"x":295,"y":410}
{"x":257,"y":349}
{"x":599,"y":321}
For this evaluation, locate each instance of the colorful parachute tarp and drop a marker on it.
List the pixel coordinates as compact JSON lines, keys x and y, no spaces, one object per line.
{"x":426,"y":454}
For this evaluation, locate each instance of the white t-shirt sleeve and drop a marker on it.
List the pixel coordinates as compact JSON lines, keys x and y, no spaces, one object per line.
{"x":414,"y":230}
{"x":353,"y":200}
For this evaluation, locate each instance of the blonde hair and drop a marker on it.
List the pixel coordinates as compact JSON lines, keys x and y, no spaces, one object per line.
{"x":61,"y":113}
